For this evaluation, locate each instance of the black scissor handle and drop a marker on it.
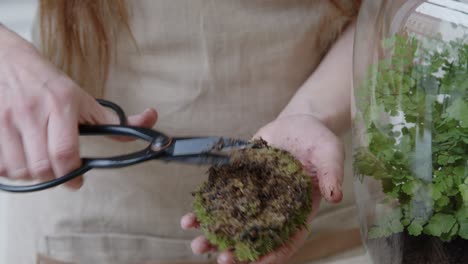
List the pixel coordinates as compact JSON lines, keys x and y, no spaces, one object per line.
{"x":116,"y":108}
{"x":157,"y":145}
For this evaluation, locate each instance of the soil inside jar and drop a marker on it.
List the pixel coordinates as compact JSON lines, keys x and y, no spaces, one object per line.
{"x":403,"y":248}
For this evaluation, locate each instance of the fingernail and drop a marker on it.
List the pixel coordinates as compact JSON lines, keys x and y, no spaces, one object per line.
{"x":336,"y":194}
{"x":223,"y":259}
{"x":77,"y":183}
{"x":185,"y":222}
{"x":149,"y":110}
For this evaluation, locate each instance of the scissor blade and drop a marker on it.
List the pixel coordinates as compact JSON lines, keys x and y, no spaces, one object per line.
{"x":201,"y":159}
{"x":204,"y":145}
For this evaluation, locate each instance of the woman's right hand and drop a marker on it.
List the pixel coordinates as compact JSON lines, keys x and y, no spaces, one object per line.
{"x":40,"y":109}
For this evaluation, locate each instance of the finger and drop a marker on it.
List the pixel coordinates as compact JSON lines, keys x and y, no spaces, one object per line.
{"x":34,"y":135}
{"x":146,"y":119}
{"x":91,"y":112}
{"x":201,"y":245}
{"x":328,"y":160}
{"x":229,"y":257}
{"x":64,"y":144}
{"x":12,"y":150}
{"x":94,"y":113}
{"x":189,"y":221}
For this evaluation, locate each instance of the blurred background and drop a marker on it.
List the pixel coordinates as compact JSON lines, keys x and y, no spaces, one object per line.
{"x":18,"y":15}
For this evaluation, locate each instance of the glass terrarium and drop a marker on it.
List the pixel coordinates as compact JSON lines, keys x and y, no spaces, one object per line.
{"x":410,"y":125}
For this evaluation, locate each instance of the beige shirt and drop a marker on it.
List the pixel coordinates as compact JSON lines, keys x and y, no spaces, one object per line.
{"x":210,"y":67}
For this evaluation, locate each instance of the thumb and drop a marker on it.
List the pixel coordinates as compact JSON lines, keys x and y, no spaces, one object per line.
{"x":95,"y":114}
{"x":328,"y":162}
{"x":146,"y":119}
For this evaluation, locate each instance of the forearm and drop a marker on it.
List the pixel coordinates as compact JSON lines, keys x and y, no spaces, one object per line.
{"x":10,"y":40}
{"x":327,"y":93}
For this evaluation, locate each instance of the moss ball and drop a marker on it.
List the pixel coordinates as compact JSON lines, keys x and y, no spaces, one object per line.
{"x":255,"y":203}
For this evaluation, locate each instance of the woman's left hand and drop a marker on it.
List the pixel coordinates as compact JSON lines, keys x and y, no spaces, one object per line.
{"x":322,"y":155}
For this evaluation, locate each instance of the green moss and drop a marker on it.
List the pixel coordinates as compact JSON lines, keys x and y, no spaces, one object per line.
{"x":256,"y":203}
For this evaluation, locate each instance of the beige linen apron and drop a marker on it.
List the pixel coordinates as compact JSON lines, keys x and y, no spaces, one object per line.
{"x":210,"y":67}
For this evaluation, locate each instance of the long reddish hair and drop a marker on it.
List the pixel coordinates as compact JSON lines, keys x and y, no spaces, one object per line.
{"x":79,"y":37}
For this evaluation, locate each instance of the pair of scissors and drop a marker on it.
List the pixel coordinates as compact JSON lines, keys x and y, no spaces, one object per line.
{"x":190,"y":150}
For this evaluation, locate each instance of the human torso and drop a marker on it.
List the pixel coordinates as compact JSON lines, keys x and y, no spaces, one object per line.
{"x":210,"y":67}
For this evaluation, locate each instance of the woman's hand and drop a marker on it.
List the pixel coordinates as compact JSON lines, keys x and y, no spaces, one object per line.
{"x":322,"y":155}
{"x":40,"y":109}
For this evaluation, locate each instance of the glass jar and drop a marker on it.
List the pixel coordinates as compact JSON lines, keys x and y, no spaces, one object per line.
{"x":410,"y":130}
